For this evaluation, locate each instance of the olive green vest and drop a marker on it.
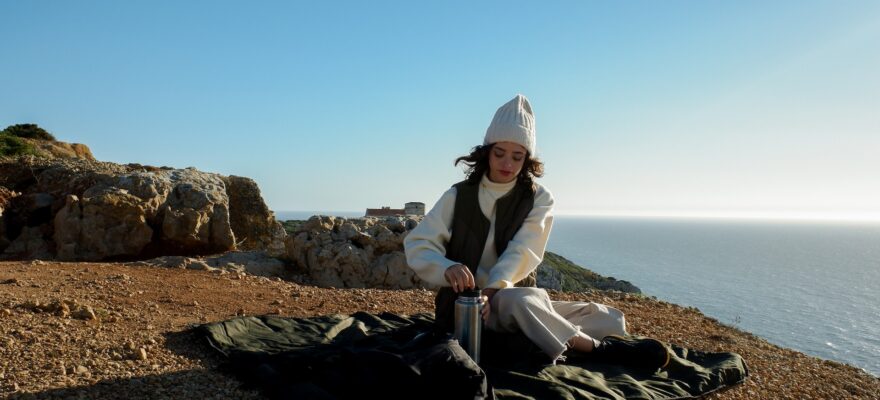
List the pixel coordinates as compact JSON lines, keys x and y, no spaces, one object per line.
{"x":470,"y":230}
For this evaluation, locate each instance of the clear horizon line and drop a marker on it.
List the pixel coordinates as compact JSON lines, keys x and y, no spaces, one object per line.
{"x":736,"y":215}
{"x":732,"y":215}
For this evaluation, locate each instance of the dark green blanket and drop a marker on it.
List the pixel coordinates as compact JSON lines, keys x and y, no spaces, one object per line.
{"x":391,"y":356}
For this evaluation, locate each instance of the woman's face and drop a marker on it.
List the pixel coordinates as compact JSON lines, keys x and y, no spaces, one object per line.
{"x":505,"y":161}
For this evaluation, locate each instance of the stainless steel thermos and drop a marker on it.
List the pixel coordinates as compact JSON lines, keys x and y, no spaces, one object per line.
{"x":469,"y":322}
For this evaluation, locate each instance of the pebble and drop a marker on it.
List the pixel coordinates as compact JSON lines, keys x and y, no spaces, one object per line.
{"x":142,"y":354}
{"x":85,"y":313}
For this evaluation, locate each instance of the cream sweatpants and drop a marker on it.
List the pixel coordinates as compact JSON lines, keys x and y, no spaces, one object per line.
{"x":550,"y":324}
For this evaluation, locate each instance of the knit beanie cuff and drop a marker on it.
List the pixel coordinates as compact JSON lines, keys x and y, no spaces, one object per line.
{"x":513,"y":122}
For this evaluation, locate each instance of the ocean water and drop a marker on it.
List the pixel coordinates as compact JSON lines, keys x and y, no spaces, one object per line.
{"x":809,"y":286}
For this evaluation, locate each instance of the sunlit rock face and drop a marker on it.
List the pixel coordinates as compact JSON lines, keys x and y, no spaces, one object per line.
{"x":84,"y":210}
{"x":358,"y":253}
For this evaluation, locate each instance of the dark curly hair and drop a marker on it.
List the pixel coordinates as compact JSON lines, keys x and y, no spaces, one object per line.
{"x":478,"y":164}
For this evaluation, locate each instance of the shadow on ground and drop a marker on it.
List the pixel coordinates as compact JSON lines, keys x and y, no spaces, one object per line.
{"x":209,"y":383}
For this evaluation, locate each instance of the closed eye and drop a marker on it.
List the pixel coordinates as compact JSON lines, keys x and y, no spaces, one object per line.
{"x":517,"y":156}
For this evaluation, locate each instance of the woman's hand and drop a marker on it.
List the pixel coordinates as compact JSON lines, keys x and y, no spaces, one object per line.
{"x":488,"y":294}
{"x":459,"y":277}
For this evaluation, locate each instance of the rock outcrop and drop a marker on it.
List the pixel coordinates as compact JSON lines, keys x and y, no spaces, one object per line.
{"x":256,"y":262}
{"x":80,"y":209}
{"x":56,"y":149}
{"x":363,"y":252}
{"x":253,"y":224}
{"x":559,"y":273}
{"x":6,"y":196}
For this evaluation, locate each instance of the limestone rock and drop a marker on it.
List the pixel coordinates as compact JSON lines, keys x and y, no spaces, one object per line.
{"x":196,"y":213}
{"x":393,"y":272}
{"x":550,"y":278}
{"x":86,"y":210}
{"x":86,"y":313}
{"x":109,"y":223}
{"x":250,"y":262}
{"x":253,"y":224}
{"x":357,"y":253}
{"x":255,"y":262}
{"x":30,"y":243}
{"x":141,"y":354}
{"x":56,"y":149}
{"x":6,"y":196}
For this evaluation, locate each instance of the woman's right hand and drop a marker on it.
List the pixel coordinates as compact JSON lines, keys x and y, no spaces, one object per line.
{"x":459,"y":277}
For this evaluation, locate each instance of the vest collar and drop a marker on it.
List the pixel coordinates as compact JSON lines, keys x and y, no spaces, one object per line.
{"x":496,"y":187}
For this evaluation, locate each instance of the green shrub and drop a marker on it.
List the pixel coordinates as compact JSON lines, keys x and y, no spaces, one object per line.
{"x":30,"y":131}
{"x":292,"y":226}
{"x":13,"y":146}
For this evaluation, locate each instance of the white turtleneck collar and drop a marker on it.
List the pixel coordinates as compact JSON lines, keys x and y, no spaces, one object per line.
{"x":495,"y":186}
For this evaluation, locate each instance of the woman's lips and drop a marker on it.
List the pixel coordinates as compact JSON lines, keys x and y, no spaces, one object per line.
{"x":505,"y":172}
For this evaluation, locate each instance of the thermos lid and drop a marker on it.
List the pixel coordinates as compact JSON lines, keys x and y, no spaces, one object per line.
{"x":470,"y":293}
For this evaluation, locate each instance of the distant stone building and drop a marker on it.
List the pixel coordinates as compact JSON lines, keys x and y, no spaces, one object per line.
{"x":411,"y":208}
{"x":414,"y":208}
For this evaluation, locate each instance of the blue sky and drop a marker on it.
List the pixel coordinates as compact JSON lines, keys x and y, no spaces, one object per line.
{"x":675,"y":107}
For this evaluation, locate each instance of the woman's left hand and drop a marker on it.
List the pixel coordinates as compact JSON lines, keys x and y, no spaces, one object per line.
{"x":488,"y":293}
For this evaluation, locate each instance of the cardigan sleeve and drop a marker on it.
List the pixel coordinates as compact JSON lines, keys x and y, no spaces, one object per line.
{"x":526,"y":250}
{"x":425,"y":246}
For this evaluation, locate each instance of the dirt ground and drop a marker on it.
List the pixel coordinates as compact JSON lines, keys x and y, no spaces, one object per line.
{"x":105,"y":330}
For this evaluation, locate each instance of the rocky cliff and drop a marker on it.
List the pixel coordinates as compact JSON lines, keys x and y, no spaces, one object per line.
{"x":85,"y":210}
{"x":558,"y":273}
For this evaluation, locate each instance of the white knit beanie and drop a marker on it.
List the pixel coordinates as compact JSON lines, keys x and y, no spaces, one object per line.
{"x":513,"y":122}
